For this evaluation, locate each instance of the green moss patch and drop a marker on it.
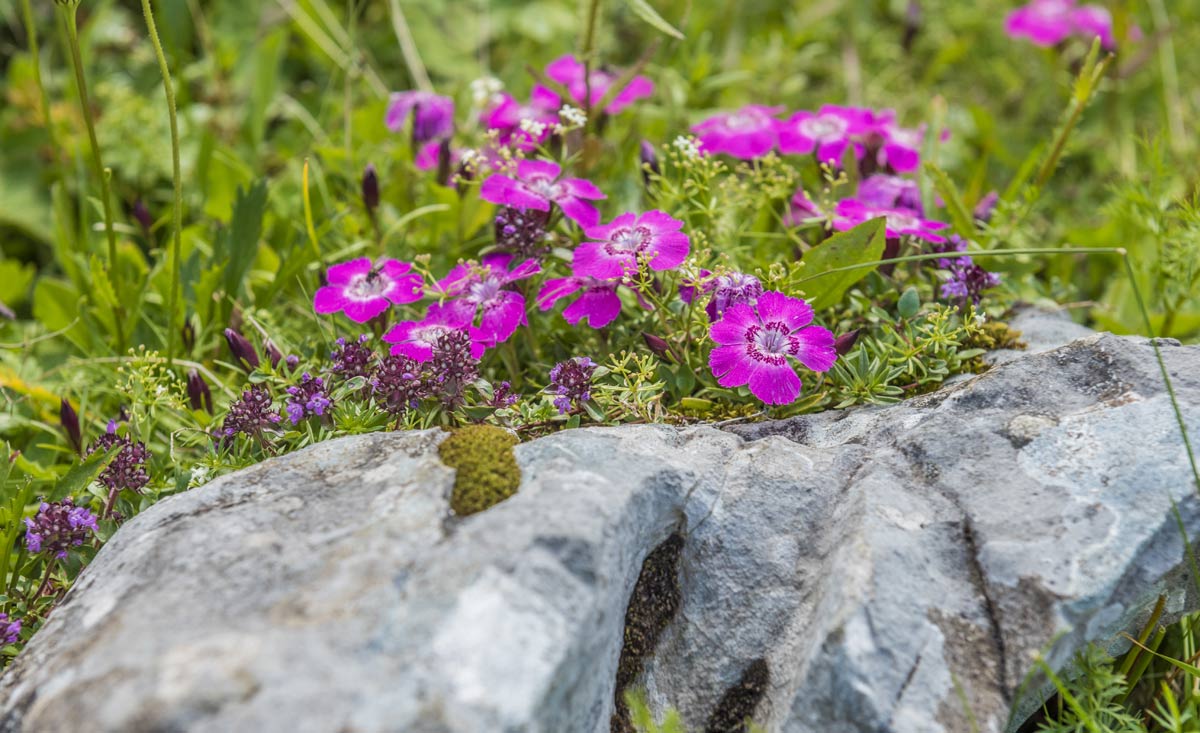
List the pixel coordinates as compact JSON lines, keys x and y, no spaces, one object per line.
{"x":487,"y":472}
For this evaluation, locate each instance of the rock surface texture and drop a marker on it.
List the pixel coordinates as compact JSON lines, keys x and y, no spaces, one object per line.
{"x":856,"y":571}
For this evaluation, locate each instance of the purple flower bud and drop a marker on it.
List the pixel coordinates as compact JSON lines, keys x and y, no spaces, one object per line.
{"x":370,"y":189}
{"x":842,"y":344}
{"x":986,"y":207}
{"x":658,"y":345}
{"x":188,"y":334}
{"x":649,"y":158}
{"x":242,"y":351}
{"x":912,"y":24}
{"x":273,"y":353}
{"x":292,"y":362}
{"x":69,"y":419}
{"x":199,"y":395}
{"x":445,"y":159}
{"x":142,"y":214}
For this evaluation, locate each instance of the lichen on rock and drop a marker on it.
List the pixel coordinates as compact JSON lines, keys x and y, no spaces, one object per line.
{"x":486,"y":470}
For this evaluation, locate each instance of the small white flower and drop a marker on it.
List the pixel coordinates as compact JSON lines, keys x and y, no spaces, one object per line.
{"x":533,"y":127}
{"x":483,"y":90}
{"x":980,"y":318}
{"x":687,"y":146}
{"x":572,"y":117}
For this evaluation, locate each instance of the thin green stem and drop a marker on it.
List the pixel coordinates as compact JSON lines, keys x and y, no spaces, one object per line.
{"x":408,"y":48}
{"x":985,"y":253}
{"x":177,"y":211}
{"x":34,"y":51}
{"x":114,"y":268}
{"x":589,"y":46}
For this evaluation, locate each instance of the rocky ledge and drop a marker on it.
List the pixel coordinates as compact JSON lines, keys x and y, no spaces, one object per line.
{"x":877,"y":569}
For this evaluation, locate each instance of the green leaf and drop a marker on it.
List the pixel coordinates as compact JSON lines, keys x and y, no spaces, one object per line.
{"x":15,"y":279}
{"x":82,"y":474}
{"x":643,"y":10}
{"x":238,"y":245}
{"x":864,"y":243}
{"x":910,"y":303}
{"x":57,"y":305}
{"x":960,"y":216}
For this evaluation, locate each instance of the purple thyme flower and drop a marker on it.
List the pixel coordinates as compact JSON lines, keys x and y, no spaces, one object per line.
{"x":827,"y":132}
{"x":309,"y":397}
{"x":598,"y":305}
{"x":415,"y":339}
{"x":484,"y":290}
{"x":539,"y":115}
{"x":852,"y":212}
{"x":748,"y":133}
{"x":364,"y":291}
{"x":127,"y":470}
{"x":571,"y":381}
{"x":503,"y":396}
{"x":522,"y":232}
{"x":58,"y":526}
{"x":453,"y":367}
{"x":537,"y":185}
{"x":729,"y":290}
{"x":398,"y":384}
{"x":967,"y":279}
{"x":570,"y":72}
{"x":986,"y":207}
{"x":250,"y":414}
{"x":432,"y":115}
{"x":883,"y":191}
{"x":352,"y":358}
{"x":619,"y":248}
{"x":754,"y":343}
{"x":10,"y":630}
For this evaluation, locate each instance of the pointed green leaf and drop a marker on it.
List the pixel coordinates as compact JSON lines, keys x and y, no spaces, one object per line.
{"x":77,"y":479}
{"x":647,"y":13}
{"x":864,"y":243}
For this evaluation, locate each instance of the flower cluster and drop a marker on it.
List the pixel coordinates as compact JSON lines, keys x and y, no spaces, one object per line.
{"x":1051,"y":22}
{"x":571,"y":382}
{"x":307,"y":399}
{"x":352,"y":358}
{"x":10,"y":629}
{"x":127,"y":470}
{"x":967,"y":280}
{"x":57,"y":527}
{"x":251,"y":414}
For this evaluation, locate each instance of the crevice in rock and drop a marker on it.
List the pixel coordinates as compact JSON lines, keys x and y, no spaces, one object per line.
{"x":989,"y":607}
{"x":739,"y":702}
{"x":654,"y":602}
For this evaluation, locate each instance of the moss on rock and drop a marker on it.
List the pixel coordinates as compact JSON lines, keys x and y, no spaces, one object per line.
{"x":487,"y":472}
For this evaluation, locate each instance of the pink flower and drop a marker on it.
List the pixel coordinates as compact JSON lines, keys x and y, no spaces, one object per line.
{"x":598,"y":305}
{"x":803,"y":210}
{"x":747,"y":133}
{"x":536,"y":186}
{"x":429,"y":155}
{"x":483,"y":291}
{"x":622,"y":245}
{"x":828,"y":132}
{"x":852,"y":212}
{"x":416,"y":339}
{"x":901,"y":146}
{"x":890,"y":192}
{"x":507,"y":115}
{"x":363,"y":292}
{"x":432,"y":115}
{"x":569,"y":71}
{"x":754,"y":343}
{"x":1092,"y":21}
{"x":1050,"y":22}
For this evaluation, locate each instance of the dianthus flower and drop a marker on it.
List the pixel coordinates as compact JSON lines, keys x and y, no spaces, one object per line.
{"x":10,"y":630}
{"x":883,"y":191}
{"x":415,"y":339}
{"x":522,"y":232}
{"x":620,"y":247}
{"x":901,"y":150}
{"x":398,"y":384}
{"x":432,"y":115}
{"x":309,"y":397}
{"x":827,"y":132}
{"x":453,"y":367}
{"x":571,"y":73}
{"x":539,"y":117}
{"x":755,"y":342}
{"x":571,"y":381}
{"x":537,"y":186}
{"x":731,"y":289}
{"x":748,"y":133}
{"x":352,"y":358}
{"x":803,"y":210}
{"x":598,"y":305}
{"x":363,"y":291}
{"x":851,"y":212}
{"x":58,"y":526}
{"x":250,"y":414}
{"x":484,"y":291}
{"x":1050,"y":22}
{"x":127,"y":470}
{"x":967,"y":279}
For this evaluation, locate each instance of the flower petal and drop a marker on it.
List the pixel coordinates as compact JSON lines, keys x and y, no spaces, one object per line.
{"x":581,"y":188}
{"x":814,"y":348}
{"x":776,"y":307}
{"x":579,"y":211}
{"x":592,"y":259}
{"x":775,"y":385}
{"x":731,"y":365}
{"x":527,"y":169}
{"x":343,"y":273}
{"x":329,"y":299}
{"x":361,"y":311}
{"x":671,"y":250}
{"x":500,"y":189}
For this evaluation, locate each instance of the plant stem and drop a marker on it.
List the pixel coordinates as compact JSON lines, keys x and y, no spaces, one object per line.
{"x":177,"y":212}
{"x":408,"y":48}
{"x":43,"y":98}
{"x":114,"y":268}
{"x":589,"y":45}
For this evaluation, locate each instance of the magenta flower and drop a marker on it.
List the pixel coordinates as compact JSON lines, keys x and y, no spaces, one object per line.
{"x":803,"y":210}
{"x":754,"y":343}
{"x":1092,"y":21}
{"x":537,"y":185}
{"x":483,"y":291}
{"x":891,"y":192}
{"x":747,"y":133}
{"x":416,"y":339}
{"x":621,"y":246}
{"x":508,"y":114}
{"x":852,"y":212}
{"x":429,"y":156}
{"x":1050,"y":22}
{"x":570,"y":72}
{"x":598,"y":305}
{"x":432,"y":115}
{"x":828,"y":132}
{"x":901,"y":149}
{"x":363,"y":291}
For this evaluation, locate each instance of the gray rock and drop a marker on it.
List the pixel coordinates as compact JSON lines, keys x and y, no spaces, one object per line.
{"x":864,"y":570}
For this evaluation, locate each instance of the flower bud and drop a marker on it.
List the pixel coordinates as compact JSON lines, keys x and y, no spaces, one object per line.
{"x":273,"y":353}
{"x":188,"y":335}
{"x":649,"y":158}
{"x":658,"y":345}
{"x":69,"y":419}
{"x":142,"y":214}
{"x":986,"y":207}
{"x":242,"y":351}
{"x":445,"y":159}
{"x":370,"y":189}
{"x":912,"y":24}
{"x":199,"y":395}
{"x":842,"y":344}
